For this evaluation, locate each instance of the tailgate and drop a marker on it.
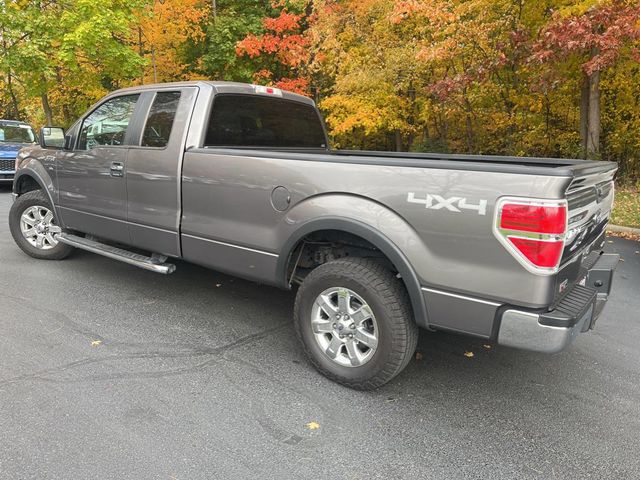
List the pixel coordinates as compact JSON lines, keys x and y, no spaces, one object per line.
{"x":590,"y":200}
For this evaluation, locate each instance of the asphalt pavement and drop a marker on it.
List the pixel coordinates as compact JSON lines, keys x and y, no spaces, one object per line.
{"x":112,"y":372}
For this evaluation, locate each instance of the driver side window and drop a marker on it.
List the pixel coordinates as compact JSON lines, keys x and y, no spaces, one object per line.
{"x":107,"y":124}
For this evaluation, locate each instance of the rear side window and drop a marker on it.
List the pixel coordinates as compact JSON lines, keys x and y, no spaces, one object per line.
{"x":160,"y":121}
{"x":254,"y":121}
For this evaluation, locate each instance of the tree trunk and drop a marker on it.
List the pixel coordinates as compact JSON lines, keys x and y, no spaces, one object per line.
{"x":411,"y":118}
{"x":584,"y":114}
{"x":398,"y":141}
{"x":468,"y":123}
{"x":469,"y":129}
{"x":47,"y":109}
{"x":141,"y":53}
{"x":153,"y":64}
{"x":14,"y":100}
{"x":593,"y":131}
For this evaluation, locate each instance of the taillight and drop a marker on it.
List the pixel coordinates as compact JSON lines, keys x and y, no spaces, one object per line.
{"x":533,"y":231}
{"x":533,"y":218}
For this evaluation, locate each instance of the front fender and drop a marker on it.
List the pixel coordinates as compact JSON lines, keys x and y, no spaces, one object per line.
{"x":29,"y":166}
{"x":356,"y":215}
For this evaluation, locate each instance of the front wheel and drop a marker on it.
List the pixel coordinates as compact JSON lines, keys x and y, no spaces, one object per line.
{"x":354,"y":319}
{"x":33,"y":226}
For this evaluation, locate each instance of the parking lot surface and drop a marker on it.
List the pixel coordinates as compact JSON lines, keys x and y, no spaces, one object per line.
{"x":108,"y":371}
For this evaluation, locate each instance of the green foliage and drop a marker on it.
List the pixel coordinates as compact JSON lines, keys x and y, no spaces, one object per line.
{"x":233,"y":22}
{"x":69,"y":51}
{"x":220,"y":60}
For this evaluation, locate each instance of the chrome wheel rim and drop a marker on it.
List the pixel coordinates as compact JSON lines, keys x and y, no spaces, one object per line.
{"x":38,"y":227}
{"x":344,"y":327}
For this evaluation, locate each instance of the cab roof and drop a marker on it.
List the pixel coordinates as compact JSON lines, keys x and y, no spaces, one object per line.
{"x":221,"y":87}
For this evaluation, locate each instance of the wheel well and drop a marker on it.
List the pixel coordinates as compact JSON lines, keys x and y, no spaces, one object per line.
{"x":27,"y":183}
{"x":323,"y":246}
{"x":317,"y":246}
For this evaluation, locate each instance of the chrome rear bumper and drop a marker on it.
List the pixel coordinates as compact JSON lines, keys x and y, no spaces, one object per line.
{"x":577,"y":312}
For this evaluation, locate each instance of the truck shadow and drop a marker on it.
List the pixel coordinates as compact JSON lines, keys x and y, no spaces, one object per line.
{"x":213,"y":305}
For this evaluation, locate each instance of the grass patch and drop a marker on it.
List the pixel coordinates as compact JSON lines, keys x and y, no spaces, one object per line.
{"x":626,"y":209}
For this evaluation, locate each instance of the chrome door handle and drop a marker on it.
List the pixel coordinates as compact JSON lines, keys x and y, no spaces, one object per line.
{"x":117,"y":169}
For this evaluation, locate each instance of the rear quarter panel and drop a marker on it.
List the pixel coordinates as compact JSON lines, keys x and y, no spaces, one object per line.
{"x":227,"y":199}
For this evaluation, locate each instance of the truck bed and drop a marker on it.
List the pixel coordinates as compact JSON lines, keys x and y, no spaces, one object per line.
{"x":485,"y":163}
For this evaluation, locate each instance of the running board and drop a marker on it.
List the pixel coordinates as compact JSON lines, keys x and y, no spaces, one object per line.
{"x":155,"y":263}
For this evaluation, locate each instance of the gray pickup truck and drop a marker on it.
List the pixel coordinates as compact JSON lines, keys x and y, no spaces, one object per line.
{"x":240,"y":178}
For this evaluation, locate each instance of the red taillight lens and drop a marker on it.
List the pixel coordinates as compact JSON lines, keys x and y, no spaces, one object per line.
{"x":534,"y":218}
{"x":533,"y":231}
{"x":541,"y":253}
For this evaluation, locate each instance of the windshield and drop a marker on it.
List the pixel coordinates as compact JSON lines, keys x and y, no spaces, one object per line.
{"x":16,"y":134}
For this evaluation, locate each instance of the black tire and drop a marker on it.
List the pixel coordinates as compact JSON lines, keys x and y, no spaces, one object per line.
{"x":386,"y":296}
{"x":22,"y":203}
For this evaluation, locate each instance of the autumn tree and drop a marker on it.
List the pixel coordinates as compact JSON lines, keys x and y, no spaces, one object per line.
{"x":370,"y":82}
{"x":597,"y":37}
{"x":229,"y":23}
{"x":476,"y":53}
{"x":280,"y":52}
{"x":165,"y":29}
{"x":61,"y":51}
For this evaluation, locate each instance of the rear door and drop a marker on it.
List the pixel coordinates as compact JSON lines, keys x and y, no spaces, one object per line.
{"x":91,"y":177}
{"x":154,"y":166}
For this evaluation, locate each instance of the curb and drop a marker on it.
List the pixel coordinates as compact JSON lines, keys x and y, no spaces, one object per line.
{"x":619,"y":229}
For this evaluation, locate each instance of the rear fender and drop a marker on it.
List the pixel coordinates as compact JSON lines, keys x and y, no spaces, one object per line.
{"x":380,"y":226}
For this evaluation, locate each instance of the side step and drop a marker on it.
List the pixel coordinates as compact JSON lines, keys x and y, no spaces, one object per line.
{"x":155,"y":263}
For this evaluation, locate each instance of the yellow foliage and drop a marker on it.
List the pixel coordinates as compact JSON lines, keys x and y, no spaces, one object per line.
{"x":163,"y":29}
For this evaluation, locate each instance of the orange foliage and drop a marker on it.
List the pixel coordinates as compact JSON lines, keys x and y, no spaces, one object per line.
{"x":284,"y":47}
{"x":295,"y":85}
{"x":165,"y":27}
{"x":289,"y":48}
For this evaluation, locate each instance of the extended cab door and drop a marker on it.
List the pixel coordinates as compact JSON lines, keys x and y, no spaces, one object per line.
{"x":91,"y":177}
{"x":154,"y":167}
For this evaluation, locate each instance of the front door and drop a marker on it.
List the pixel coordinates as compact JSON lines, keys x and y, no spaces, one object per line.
{"x":91,"y":177}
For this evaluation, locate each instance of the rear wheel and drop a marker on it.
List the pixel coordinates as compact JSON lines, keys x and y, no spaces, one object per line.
{"x":354,"y":319}
{"x":33,"y":226}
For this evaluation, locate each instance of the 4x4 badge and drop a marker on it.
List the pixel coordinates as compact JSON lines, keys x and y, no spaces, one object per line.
{"x":452,"y":204}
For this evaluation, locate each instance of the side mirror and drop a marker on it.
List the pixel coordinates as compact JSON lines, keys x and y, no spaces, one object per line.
{"x":52,"y":137}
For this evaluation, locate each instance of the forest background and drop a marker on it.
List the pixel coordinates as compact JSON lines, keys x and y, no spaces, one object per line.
{"x":552,"y":78}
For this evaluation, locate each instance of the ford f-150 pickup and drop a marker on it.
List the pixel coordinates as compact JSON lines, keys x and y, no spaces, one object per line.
{"x":240,"y":178}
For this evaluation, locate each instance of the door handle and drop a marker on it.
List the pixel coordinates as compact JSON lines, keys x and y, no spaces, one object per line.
{"x":117,"y":169}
